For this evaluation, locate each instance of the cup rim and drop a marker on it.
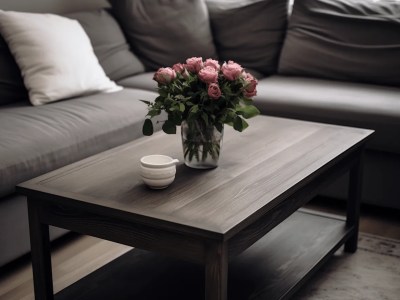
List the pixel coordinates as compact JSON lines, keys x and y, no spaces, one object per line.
{"x":158,"y":160}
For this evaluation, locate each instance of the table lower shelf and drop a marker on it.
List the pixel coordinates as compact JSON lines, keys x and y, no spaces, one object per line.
{"x":272,"y":268}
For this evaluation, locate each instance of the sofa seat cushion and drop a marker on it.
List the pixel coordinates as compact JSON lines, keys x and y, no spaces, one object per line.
{"x":142,"y":81}
{"x":359,"y":105}
{"x":35,"y":140}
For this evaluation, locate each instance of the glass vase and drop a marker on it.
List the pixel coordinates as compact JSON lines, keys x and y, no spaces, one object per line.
{"x":201,"y":144}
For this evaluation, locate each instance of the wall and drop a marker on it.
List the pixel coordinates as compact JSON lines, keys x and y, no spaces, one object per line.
{"x":51,"y":6}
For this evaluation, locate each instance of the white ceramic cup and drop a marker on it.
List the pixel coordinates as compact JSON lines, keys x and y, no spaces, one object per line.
{"x":158,"y":171}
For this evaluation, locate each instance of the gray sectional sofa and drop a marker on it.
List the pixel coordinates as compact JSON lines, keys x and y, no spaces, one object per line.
{"x":308,"y":66}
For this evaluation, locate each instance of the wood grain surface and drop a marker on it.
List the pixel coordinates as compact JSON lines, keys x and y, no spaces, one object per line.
{"x":273,"y":156}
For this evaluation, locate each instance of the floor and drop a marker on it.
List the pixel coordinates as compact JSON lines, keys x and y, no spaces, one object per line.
{"x":76,"y":256}
{"x":373,"y":220}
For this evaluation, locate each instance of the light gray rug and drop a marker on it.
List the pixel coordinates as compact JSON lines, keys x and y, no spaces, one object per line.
{"x":372,"y":273}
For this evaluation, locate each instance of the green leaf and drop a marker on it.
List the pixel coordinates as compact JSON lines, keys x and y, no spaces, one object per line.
{"x":181,"y":107}
{"x":231,"y":115}
{"x":204,"y":116}
{"x":147,"y":127}
{"x":169,"y":127}
{"x":175,"y":118}
{"x":159,"y":99}
{"x":163,"y":93}
{"x":153,"y":112}
{"x":247,"y":101}
{"x":194,"y":109}
{"x":146,"y":102}
{"x":219,"y":126}
{"x":180,"y":97}
{"x":248,"y":111}
{"x":239,"y":124}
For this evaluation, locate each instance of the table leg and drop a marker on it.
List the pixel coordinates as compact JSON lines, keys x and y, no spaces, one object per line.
{"x":216,"y":271}
{"x":41,"y":256}
{"x":353,"y":205}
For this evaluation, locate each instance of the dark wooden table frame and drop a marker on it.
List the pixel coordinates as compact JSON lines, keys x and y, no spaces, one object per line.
{"x":287,"y":163}
{"x":212,"y":251}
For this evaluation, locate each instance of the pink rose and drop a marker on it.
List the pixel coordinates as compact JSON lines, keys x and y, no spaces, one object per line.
{"x":231,"y":70}
{"x":208,"y":75}
{"x":194,"y":64}
{"x":164,"y":75}
{"x":212,"y":63}
{"x":178,"y":68}
{"x":185,"y":74}
{"x":250,"y":88}
{"x":213,"y":91}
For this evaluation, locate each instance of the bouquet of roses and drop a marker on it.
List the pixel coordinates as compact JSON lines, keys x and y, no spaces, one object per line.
{"x":202,"y":94}
{"x":203,"y":90}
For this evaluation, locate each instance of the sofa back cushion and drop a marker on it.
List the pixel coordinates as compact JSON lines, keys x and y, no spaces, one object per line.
{"x":163,"y":33}
{"x":12,"y":87}
{"x":250,"y":32}
{"x":109,"y":43}
{"x":351,"y":40}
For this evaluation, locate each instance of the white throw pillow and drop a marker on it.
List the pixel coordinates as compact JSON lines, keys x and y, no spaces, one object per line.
{"x":55,"y":56}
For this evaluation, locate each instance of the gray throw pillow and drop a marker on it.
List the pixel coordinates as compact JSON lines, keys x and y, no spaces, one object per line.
{"x":163,"y":33}
{"x":250,"y":32}
{"x":12,"y":88}
{"x":350,"y":40}
{"x":109,"y":44}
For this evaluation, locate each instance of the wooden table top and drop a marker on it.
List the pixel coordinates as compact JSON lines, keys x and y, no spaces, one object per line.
{"x":271,"y":158}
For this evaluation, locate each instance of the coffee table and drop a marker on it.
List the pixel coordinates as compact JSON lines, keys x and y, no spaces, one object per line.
{"x":242,"y":217}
